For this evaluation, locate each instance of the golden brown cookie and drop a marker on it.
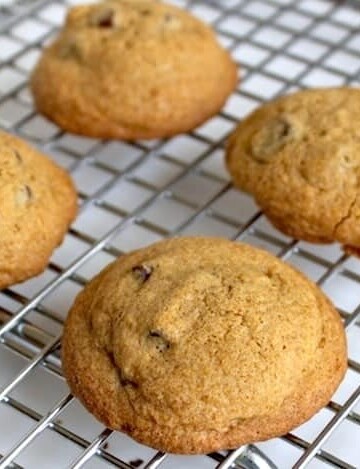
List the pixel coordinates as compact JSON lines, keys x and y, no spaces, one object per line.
{"x":37,"y":203}
{"x":300,"y":158}
{"x":196,"y":344}
{"x":132,"y":69}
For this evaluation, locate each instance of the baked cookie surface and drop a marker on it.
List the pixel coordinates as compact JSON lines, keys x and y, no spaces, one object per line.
{"x":132,"y":69}
{"x":300,"y":158}
{"x":198,"y":344}
{"x":37,"y":203}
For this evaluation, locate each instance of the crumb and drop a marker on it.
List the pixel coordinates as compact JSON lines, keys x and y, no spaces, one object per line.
{"x":136,"y":462}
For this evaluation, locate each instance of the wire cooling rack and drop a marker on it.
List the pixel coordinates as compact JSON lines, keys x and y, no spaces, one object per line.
{"x":135,"y":194}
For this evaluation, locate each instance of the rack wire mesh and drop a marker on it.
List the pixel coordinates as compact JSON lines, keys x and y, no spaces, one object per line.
{"x":134,"y":194}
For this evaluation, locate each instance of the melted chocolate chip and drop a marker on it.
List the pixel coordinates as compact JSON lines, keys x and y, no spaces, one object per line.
{"x":271,"y":138}
{"x":142,"y":272}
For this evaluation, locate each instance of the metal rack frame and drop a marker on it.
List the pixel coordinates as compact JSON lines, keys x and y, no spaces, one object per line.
{"x":23,"y":336}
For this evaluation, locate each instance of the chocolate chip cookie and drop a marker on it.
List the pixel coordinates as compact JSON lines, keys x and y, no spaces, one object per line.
{"x":193,"y":345}
{"x":37,"y":203}
{"x":132,"y":69}
{"x":300,"y":158}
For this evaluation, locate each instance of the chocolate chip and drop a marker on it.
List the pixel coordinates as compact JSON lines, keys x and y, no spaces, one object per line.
{"x":136,"y":462}
{"x":112,"y":358}
{"x":128,"y":382}
{"x":106,"y":22}
{"x":161,"y":344}
{"x":104,"y":19}
{"x":127,"y":428}
{"x":142,"y":272}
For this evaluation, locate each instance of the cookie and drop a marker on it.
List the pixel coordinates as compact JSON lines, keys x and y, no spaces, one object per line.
{"x":37,"y":203}
{"x":300,"y":158}
{"x":132,"y":69}
{"x":194,"y":345}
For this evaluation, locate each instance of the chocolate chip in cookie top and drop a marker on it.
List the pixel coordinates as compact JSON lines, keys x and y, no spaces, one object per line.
{"x":300,"y":158}
{"x":193,"y":345}
{"x":37,"y":203}
{"x":132,"y":69}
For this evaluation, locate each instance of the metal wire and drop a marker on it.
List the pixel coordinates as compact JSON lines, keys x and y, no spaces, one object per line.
{"x":326,"y":432}
{"x":20,"y":335}
{"x":33,"y":433}
{"x":156,"y":461}
{"x":91,"y":449}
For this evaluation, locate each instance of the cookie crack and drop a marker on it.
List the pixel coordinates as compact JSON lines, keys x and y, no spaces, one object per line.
{"x":344,"y":218}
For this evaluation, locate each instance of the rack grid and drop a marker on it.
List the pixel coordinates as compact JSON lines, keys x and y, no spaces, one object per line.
{"x":132,"y":194}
